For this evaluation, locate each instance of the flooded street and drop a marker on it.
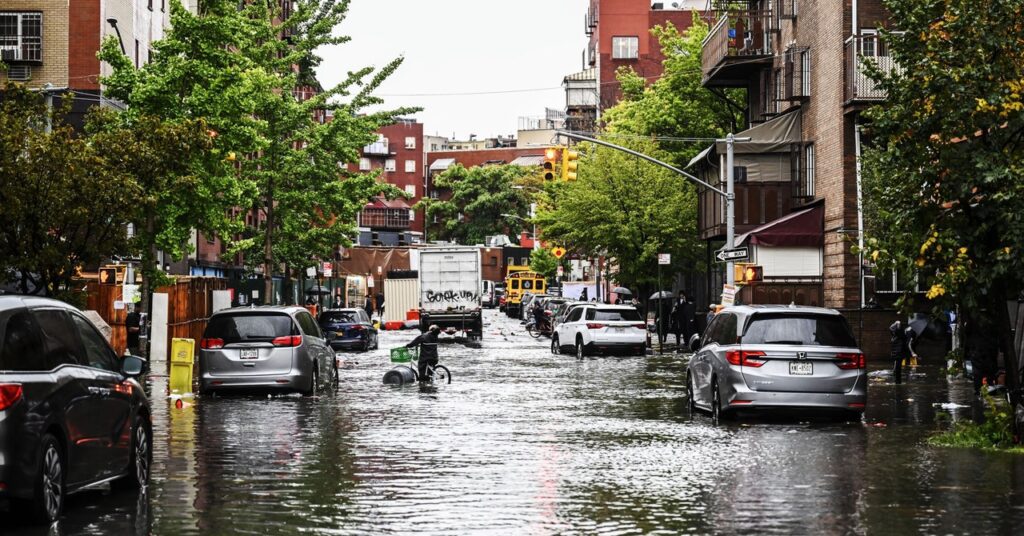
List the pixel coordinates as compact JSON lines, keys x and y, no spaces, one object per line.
{"x":525,"y":442}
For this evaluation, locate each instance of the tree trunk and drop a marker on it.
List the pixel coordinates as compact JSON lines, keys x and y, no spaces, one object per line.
{"x":268,"y":251}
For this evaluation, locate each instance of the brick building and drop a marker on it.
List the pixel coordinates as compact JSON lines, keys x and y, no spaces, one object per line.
{"x":619,"y":32}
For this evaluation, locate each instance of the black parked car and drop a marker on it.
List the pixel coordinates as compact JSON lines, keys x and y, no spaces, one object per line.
{"x":353,"y":329}
{"x":72,"y":414}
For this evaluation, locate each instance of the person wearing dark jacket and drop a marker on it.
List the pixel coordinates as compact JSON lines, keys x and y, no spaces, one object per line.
{"x":428,"y":349}
{"x":368,"y":307}
{"x":682,"y":318}
{"x":901,"y":348}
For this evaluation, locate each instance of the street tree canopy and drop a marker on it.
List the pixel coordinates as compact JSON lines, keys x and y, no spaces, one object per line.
{"x":544,"y":262}
{"x":481,"y":196}
{"x":944,"y":196}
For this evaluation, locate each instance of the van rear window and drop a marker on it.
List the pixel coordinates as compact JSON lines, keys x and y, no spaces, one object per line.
{"x":249,"y":327}
{"x":810,"y":329}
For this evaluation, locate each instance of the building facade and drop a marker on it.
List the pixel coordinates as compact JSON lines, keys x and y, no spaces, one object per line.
{"x":801,"y":64}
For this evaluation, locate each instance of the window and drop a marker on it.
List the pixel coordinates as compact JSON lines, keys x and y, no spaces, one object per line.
{"x":494,"y":261}
{"x":410,"y":142}
{"x":308,"y":325}
{"x":60,"y":344}
{"x":389,"y":164}
{"x":625,"y":48}
{"x":22,"y":344}
{"x":726,"y":335}
{"x":410,"y":166}
{"x":249,"y":327}
{"x":525,"y":261}
{"x":97,"y":352}
{"x":870,"y":44}
{"x":412,"y":214}
{"x":364,"y":164}
{"x":817,"y":330}
{"x":410,"y":189}
{"x":576,"y":314}
{"x":809,"y":156}
{"x":739,"y":174}
{"x":21,"y":36}
{"x":613,"y":315}
{"x":805,"y":73}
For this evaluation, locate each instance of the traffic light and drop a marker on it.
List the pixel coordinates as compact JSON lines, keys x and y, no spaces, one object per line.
{"x":569,"y":164}
{"x":108,"y":276}
{"x":747,"y":273}
{"x":550,"y":157}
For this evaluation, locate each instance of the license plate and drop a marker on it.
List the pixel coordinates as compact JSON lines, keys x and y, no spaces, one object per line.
{"x":251,"y":353}
{"x":801,"y":368}
{"x":339,"y":333}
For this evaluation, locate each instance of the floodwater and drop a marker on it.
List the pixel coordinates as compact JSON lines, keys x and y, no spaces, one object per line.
{"x":524,"y":442}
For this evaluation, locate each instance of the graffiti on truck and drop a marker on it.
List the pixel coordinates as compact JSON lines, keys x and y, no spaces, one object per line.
{"x":452,"y":296}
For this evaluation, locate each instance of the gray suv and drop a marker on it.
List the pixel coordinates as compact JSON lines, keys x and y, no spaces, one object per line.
{"x":265,"y":348}
{"x":775,"y":356}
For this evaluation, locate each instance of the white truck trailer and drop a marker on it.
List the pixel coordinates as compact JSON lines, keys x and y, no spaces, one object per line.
{"x":450,"y":289}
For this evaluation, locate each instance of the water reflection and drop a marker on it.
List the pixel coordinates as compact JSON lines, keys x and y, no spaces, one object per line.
{"x":526,"y":442}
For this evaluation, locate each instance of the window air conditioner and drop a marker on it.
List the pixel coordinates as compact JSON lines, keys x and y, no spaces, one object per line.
{"x":10,"y":53}
{"x":19,"y":73}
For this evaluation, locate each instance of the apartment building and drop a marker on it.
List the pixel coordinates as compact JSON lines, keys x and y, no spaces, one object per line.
{"x":619,"y":36}
{"x":797,"y":196}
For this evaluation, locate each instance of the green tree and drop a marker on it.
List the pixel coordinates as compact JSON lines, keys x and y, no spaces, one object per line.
{"x":944,"y":198}
{"x":65,"y":204}
{"x":676,"y":105}
{"x":627,"y":209}
{"x":544,"y":262}
{"x":481,"y":197}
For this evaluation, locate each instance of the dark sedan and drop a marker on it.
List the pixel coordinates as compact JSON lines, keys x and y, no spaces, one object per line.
{"x":72,"y":414}
{"x":353,"y":327}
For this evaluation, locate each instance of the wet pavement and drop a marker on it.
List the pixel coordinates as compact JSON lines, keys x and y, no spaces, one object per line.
{"x":525,"y":442}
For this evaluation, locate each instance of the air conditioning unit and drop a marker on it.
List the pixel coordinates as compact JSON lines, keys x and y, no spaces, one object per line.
{"x":10,"y":53}
{"x":19,"y":73}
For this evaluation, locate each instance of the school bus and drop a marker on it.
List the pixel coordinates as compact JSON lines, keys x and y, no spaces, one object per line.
{"x":517,"y":283}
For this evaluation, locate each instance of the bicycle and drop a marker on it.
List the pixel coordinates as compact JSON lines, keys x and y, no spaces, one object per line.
{"x":545,"y":329}
{"x":435,"y":373}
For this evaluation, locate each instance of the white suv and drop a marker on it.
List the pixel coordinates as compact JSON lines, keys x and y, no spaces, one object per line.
{"x":601,"y":328}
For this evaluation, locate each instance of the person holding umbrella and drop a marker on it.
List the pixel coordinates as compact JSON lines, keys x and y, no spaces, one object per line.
{"x":901,"y":348}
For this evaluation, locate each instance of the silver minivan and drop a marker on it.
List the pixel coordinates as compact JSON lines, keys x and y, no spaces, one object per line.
{"x":776,"y":356}
{"x":265,"y":348}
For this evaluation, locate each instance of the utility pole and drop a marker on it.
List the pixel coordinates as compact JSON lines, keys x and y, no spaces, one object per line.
{"x":730,"y":209}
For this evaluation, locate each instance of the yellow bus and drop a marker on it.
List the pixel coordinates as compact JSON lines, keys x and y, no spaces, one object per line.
{"x":518,"y":283}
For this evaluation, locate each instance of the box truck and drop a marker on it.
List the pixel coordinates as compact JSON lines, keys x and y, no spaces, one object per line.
{"x":450,"y":288}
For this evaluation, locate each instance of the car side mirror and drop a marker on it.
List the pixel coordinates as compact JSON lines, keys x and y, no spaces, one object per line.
{"x":132,"y":366}
{"x":695,"y":343}
{"x":330,"y":335}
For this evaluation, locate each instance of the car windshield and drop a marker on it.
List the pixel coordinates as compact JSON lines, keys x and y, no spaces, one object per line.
{"x":613,"y":315}
{"x":338,"y":317}
{"x":811,"y":329}
{"x":249,"y":327}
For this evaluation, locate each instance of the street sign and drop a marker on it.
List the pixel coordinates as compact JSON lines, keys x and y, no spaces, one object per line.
{"x":735,"y":254}
{"x":664,"y":258}
{"x":328,"y":268}
{"x":559,"y":272}
{"x":558,"y":252}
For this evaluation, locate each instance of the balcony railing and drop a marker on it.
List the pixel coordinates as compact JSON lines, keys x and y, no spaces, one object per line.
{"x":738,"y":35}
{"x":861,"y":50}
{"x":379,"y":218}
{"x":379,"y":147}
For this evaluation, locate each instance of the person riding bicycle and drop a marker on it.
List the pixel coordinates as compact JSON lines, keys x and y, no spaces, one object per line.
{"x":540,"y":320}
{"x":428,"y":349}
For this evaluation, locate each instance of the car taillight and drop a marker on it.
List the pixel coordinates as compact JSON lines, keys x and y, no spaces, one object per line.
{"x":211,"y":344}
{"x":851,"y":361}
{"x":358,"y":327}
{"x":594,"y":326}
{"x":9,"y":394}
{"x":745,"y":358}
{"x":548,"y":313}
{"x":640,"y":326}
{"x":287,"y":341}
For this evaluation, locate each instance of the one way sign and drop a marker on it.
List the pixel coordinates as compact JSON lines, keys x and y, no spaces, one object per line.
{"x":735,"y":254}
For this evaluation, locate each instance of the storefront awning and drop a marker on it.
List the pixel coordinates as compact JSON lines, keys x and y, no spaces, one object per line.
{"x":799,"y":229}
{"x":775,"y":136}
{"x":381,"y":202}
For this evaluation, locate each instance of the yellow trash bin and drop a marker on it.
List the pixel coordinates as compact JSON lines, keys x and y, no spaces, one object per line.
{"x":182,"y":352}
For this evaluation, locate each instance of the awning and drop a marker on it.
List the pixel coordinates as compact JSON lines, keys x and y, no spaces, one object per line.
{"x":699,"y":156}
{"x":527,"y":161}
{"x":441,"y":164}
{"x":773,"y":136}
{"x":799,"y":229}
{"x":380,"y":202}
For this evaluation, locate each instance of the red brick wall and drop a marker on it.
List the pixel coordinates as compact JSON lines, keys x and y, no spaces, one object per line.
{"x":83,"y":42}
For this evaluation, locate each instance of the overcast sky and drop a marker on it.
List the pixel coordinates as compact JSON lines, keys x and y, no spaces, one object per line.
{"x":465,"y":46}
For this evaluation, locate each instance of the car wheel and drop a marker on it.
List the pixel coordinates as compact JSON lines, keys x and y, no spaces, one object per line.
{"x":141,"y":457}
{"x":313,"y":380}
{"x":48,"y":489}
{"x":554,"y":345}
{"x":580,"y":354}
{"x":691,"y":403}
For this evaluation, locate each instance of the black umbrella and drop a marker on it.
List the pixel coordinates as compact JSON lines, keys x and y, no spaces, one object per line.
{"x":924,"y":325}
{"x":622,"y":291}
{"x":663,"y":295}
{"x":318,"y":289}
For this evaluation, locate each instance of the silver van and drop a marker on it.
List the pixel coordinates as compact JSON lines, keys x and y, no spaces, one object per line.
{"x":265,"y":348}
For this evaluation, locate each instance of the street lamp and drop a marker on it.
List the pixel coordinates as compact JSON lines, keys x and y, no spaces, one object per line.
{"x":113,"y":22}
{"x":533,"y":214}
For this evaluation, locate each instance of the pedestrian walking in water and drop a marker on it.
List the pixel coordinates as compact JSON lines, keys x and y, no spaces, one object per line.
{"x":682,"y":318}
{"x":901,"y":348}
{"x":583,"y":295}
{"x":428,"y":349}
{"x":133,"y":326}
{"x":368,"y":306}
{"x":981,"y":349}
